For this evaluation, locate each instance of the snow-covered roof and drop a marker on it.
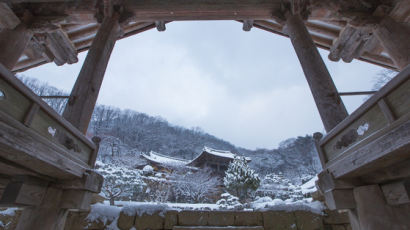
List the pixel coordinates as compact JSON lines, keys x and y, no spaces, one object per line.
{"x":164,"y":160}
{"x":218,"y":153}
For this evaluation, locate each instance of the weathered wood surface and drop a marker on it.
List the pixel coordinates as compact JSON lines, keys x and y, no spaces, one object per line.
{"x":340,"y":199}
{"x":331,"y":108}
{"x":24,"y":191}
{"x":8,"y":20}
{"x":61,"y":47}
{"x":84,"y":95}
{"x":12,"y":44}
{"x":394,"y":37}
{"x":376,"y":117}
{"x":375,"y":214}
{"x":397,"y":193}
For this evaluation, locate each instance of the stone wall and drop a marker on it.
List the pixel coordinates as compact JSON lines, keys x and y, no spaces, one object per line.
{"x":269,"y":220}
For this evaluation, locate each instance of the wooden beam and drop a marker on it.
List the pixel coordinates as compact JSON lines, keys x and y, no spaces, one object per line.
{"x":24,"y":191}
{"x":330,"y":105}
{"x":394,"y":37}
{"x":8,"y":20}
{"x":84,"y":95}
{"x":12,"y":44}
{"x":61,"y":47}
{"x":357,"y":93}
{"x":92,"y":182}
{"x":397,"y":193}
{"x":76,"y":199}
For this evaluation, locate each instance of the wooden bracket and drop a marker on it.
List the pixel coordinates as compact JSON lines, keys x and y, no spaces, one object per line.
{"x":8,"y":20}
{"x":160,"y":25}
{"x":247,"y":25}
{"x":91,"y":182}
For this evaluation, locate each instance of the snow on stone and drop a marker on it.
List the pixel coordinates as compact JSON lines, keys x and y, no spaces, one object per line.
{"x":288,"y":205}
{"x":362,"y":129}
{"x":148,"y":168}
{"x":165,"y":160}
{"x":103,"y":213}
{"x":170,"y":206}
{"x":8,"y":212}
{"x":309,"y":186}
{"x":145,"y":208}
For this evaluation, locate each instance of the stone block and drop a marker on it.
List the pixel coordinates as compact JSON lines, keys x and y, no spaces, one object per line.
{"x":336,"y":217}
{"x":221,"y":218}
{"x":125,"y":222}
{"x":152,"y":222}
{"x":308,"y":220}
{"x":171,"y":219}
{"x":279,"y":220}
{"x":248,"y":219}
{"x":193,"y":218}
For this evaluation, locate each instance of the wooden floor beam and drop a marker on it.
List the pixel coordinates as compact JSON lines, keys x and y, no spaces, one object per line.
{"x":330,"y":106}
{"x":84,"y":95}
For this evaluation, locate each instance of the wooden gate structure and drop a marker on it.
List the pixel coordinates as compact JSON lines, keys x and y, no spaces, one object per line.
{"x":46,"y":161}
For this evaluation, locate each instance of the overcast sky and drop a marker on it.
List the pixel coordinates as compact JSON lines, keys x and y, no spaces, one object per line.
{"x":245,"y":87}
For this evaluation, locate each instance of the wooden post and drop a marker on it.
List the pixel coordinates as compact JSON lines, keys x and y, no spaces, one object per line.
{"x":330,"y":106}
{"x":394,"y":37}
{"x":84,"y":95}
{"x":12,"y":44}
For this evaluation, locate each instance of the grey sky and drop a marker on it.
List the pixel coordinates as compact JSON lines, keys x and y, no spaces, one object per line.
{"x":245,"y":87}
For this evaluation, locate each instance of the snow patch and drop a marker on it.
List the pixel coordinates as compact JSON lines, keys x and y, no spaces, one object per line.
{"x":149,"y":209}
{"x":309,"y":186}
{"x":51,"y":131}
{"x":362,"y":129}
{"x":8,"y":212}
{"x":290,"y":206}
{"x":103,"y":213}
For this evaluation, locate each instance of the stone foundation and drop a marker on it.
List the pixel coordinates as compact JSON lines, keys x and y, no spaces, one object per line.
{"x":172,"y":219}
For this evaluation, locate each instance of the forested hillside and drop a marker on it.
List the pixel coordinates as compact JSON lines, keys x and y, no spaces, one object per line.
{"x":127,"y":133}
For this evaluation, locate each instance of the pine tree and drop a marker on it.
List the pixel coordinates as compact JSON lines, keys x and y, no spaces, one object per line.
{"x":240,"y":180}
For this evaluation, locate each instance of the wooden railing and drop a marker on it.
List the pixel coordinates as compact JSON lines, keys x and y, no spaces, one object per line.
{"x":35,"y":137}
{"x":374,"y":136}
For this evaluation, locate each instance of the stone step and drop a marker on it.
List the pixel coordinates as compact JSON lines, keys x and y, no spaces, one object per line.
{"x":218,"y":228}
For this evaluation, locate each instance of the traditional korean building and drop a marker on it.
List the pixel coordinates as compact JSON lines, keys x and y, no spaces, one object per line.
{"x":216,"y":160}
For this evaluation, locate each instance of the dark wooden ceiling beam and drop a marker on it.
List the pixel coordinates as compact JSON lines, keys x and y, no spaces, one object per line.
{"x":8,"y":20}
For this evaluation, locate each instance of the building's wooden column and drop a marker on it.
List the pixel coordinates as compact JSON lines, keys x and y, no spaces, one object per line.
{"x":12,"y":44}
{"x":395,"y":38}
{"x":84,"y":95}
{"x":330,"y":106}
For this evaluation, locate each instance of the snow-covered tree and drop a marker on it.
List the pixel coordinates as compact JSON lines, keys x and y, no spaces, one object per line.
{"x":240,"y":180}
{"x":195,"y":187}
{"x":120,"y":182}
{"x":229,"y":202}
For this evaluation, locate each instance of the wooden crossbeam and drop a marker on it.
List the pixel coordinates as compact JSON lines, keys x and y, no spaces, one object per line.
{"x":8,"y":20}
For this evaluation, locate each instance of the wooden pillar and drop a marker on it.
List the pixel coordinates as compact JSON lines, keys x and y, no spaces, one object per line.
{"x":395,"y":38}
{"x":12,"y":44}
{"x":84,"y":95}
{"x":330,"y":106}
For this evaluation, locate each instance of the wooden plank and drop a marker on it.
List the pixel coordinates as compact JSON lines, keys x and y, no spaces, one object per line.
{"x":394,"y":172}
{"x":382,"y":151}
{"x":85,"y":92}
{"x":322,"y":157}
{"x":8,"y":20}
{"x":27,"y":93}
{"x":331,"y":108}
{"x":326,"y":182}
{"x":92,"y":182}
{"x":397,"y":193}
{"x":24,"y":191}
{"x":402,"y":77}
{"x":23,"y":146}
